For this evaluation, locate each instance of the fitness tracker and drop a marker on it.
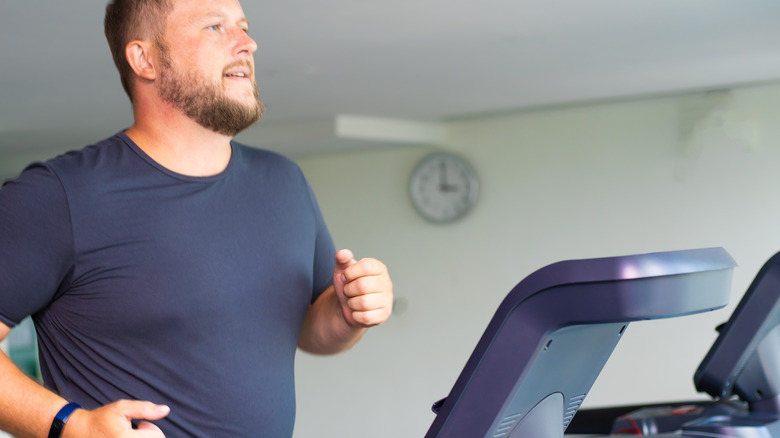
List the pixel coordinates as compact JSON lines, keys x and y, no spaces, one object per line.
{"x":59,"y":420}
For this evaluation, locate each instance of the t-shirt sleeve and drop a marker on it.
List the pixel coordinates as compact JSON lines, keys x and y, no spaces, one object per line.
{"x":36,"y":243}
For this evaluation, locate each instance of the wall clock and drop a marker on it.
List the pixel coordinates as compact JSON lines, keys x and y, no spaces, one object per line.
{"x":443,"y":187}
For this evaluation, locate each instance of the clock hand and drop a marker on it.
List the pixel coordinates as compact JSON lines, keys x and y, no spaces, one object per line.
{"x":443,"y":175}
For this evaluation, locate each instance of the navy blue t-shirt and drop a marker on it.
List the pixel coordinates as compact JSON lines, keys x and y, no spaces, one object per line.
{"x":146,"y":284}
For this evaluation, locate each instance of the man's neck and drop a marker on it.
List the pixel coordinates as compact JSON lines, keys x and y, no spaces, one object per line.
{"x":181,"y":145}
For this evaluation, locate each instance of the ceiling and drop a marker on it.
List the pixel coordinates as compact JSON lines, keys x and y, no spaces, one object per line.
{"x":415,"y":63}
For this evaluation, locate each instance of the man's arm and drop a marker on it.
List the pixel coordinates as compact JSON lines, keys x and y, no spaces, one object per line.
{"x":27,"y":409}
{"x":361,"y":296}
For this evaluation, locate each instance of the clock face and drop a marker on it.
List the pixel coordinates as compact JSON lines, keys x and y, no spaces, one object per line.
{"x":443,"y":187}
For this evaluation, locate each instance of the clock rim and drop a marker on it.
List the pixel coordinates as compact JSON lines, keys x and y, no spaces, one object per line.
{"x":473,"y":193}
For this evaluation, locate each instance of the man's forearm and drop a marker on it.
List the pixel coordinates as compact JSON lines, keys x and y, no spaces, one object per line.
{"x":324,"y":330}
{"x":26,"y":408}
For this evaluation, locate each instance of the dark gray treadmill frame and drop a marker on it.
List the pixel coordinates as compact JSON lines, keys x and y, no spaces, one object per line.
{"x":552,"y":334}
{"x":745,"y":358}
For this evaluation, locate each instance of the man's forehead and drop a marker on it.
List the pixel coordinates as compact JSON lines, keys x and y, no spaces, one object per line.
{"x":195,"y":9}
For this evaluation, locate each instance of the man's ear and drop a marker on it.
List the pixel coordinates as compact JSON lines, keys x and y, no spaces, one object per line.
{"x":139,"y":56}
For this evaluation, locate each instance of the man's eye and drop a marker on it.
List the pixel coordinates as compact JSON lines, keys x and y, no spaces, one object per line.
{"x":214,"y":27}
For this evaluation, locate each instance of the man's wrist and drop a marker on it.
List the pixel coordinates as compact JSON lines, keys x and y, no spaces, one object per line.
{"x":58,"y":424}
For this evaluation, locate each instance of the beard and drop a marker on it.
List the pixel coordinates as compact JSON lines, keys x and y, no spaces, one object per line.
{"x":205,"y":102}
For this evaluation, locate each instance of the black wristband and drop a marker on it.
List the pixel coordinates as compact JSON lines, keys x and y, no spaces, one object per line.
{"x":59,"y":420}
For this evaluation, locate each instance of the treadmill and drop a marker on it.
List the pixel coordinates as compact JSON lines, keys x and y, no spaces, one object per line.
{"x":741,"y":372}
{"x":552,"y":334}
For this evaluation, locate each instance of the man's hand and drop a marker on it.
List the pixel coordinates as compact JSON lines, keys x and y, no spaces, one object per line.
{"x":364,"y":290}
{"x":361,"y":297}
{"x":114,"y":420}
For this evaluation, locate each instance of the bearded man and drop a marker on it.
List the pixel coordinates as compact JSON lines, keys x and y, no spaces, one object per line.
{"x":171,"y":272}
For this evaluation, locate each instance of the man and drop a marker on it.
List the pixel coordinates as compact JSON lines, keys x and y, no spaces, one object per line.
{"x":171,"y":272}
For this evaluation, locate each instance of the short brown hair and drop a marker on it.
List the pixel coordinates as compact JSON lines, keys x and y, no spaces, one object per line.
{"x":128,"y":20}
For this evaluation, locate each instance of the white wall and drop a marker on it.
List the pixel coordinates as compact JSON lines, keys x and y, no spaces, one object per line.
{"x":589,"y":181}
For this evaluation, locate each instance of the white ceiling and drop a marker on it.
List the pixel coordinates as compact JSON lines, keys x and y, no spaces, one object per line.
{"x":416,"y":60}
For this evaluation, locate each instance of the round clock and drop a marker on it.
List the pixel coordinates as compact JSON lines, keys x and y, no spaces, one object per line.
{"x":443,"y":187}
